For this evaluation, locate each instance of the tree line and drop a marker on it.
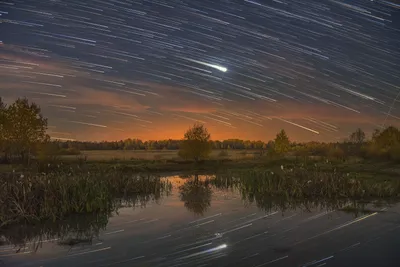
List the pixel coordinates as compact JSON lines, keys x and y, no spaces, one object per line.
{"x":168,"y":144}
{"x":23,"y":135}
{"x":384,"y":145}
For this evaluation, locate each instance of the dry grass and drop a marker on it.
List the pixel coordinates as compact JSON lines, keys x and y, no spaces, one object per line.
{"x":106,"y":155}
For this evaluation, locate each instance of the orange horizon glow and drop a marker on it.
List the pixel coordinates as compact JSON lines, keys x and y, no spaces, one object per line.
{"x":145,"y":110}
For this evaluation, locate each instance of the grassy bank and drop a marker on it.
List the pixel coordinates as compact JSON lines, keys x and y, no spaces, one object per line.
{"x":368,"y":169}
{"x":126,"y":155}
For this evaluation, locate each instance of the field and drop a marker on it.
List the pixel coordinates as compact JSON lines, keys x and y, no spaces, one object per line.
{"x":106,"y":155}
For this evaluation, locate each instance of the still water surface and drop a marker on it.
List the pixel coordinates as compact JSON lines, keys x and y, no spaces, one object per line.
{"x":201,"y":221}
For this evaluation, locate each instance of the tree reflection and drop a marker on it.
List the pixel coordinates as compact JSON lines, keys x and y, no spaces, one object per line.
{"x":196,"y":195}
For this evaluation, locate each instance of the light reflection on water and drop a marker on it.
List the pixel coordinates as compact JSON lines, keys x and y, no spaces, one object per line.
{"x":190,"y":202}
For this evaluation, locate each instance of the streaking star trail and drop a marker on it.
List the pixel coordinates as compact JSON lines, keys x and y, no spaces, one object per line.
{"x":246,"y":69}
{"x":220,"y":68}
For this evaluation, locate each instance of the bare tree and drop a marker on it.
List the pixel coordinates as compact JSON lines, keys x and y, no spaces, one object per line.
{"x":358,"y":136}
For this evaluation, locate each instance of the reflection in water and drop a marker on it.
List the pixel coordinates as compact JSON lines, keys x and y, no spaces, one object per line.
{"x":83,"y":228}
{"x":268,"y":196}
{"x":196,"y":194}
{"x":76,"y":230}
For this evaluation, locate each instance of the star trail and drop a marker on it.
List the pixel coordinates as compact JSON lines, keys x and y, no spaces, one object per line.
{"x":107,"y":70}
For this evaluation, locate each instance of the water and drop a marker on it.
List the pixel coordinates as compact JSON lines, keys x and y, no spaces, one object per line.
{"x":207,"y":222}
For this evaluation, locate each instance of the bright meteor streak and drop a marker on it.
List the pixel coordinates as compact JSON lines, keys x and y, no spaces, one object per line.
{"x":220,"y":68}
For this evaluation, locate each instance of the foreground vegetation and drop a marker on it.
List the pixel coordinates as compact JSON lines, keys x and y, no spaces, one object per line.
{"x":313,"y":189}
{"x":280,"y":192}
{"x":312,"y":184}
{"x":36,"y":197}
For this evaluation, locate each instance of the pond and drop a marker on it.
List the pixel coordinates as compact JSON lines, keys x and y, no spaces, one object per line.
{"x":214,"y":221}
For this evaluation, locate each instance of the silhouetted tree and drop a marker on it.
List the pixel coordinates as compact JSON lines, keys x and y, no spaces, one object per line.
{"x":358,"y":137}
{"x":375,"y":134}
{"x":196,"y":144}
{"x":282,"y":143}
{"x":28,"y":128}
{"x":387,"y":138}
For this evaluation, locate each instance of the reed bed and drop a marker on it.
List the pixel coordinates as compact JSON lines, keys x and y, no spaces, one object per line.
{"x":309,"y":189}
{"x":53,"y":196}
{"x":310,"y":184}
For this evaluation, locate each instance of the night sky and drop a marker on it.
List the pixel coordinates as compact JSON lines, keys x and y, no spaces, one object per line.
{"x":113,"y":69}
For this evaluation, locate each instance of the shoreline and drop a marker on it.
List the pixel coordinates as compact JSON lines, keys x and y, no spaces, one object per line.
{"x":368,"y":169}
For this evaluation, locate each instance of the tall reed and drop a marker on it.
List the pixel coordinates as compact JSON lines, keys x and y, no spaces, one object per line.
{"x":32,"y":197}
{"x":311,"y":184}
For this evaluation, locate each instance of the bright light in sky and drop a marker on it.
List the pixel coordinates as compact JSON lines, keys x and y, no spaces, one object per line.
{"x":223,"y":69}
{"x":220,"y":68}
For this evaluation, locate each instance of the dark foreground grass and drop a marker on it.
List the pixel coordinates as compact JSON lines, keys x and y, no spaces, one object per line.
{"x":302,"y":183}
{"x":309,"y":189}
{"x":73,"y":206}
{"x":62,"y":189}
{"x":36,"y":197}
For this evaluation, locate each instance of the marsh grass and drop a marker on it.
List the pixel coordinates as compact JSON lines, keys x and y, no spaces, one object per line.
{"x":309,"y":189}
{"x":74,"y":206}
{"x":272,"y":192}
{"x":36,"y":197}
{"x":312,"y":184}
